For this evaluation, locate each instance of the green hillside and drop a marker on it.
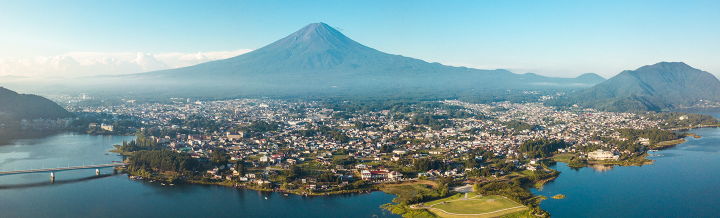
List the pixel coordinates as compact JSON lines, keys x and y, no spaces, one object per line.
{"x":26,"y":106}
{"x":661,"y":86}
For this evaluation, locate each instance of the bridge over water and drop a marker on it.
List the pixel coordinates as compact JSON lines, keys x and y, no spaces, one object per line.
{"x":62,"y":169}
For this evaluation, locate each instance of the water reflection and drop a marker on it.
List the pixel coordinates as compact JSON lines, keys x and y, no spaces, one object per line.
{"x":53,"y":182}
{"x":601,"y":167}
{"x":12,"y":156}
{"x":34,"y":195}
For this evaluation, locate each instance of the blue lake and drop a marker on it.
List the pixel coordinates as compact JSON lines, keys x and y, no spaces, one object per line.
{"x":80,"y":193}
{"x":682,"y":182}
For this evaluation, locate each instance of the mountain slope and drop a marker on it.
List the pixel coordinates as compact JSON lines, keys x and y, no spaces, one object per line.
{"x":319,"y":59}
{"x":664,"y":85}
{"x":25,"y":106}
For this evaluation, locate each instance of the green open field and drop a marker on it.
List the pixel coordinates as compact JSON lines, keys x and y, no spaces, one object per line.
{"x":454,"y":197}
{"x":565,"y":158}
{"x":523,"y":173}
{"x":485,"y":206}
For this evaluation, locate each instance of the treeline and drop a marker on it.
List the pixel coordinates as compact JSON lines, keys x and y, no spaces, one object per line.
{"x":346,"y":161}
{"x":351,"y":186}
{"x":162,"y":132}
{"x":433,"y":121}
{"x":514,"y":192}
{"x":541,"y":147}
{"x":508,"y":167}
{"x":654,"y":135}
{"x":329,"y":178}
{"x":260,"y":126}
{"x":426,"y":164}
{"x":520,"y":126}
{"x":629,"y":145}
{"x":406,"y":211}
{"x":121,"y":126}
{"x":487,"y":97}
{"x":164,"y":160}
{"x":140,"y":143}
{"x":561,"y":102}
{"x":680,"y":119}
{"x":365,"y":106}
{"x":441,"y":191}
{"x":498,"y":109}
{"x":535,"y":177}
{"x":413,"y":194}
{"x":477,"y":173}
{"x":195,"y":121}
{"x":417,"y":105}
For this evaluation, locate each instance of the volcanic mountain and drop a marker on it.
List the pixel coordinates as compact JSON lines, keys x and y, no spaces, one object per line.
{"x":664,"y":85}
{"x":319,"y":59}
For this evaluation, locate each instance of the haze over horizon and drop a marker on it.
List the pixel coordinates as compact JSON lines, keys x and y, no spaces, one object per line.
{"x":556,"y":39}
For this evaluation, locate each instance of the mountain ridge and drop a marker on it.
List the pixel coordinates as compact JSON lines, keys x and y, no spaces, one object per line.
{"x":27,"y":106}
{"x":661,"y":86}
{"x":319,"y":60}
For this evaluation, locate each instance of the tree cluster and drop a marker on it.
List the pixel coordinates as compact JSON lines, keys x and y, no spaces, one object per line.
{"x":140,"y":143}
{"x":520,"y":126}
{"x":426,"y":164}
{"x":654,"y":135}
{"x":673,"y":119}
{"x":165,"y":160}
{"x":541,"y":147}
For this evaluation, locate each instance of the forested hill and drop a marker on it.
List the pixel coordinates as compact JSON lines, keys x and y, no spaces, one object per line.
{"x":664,"y":85}
{"x":26,"y":106}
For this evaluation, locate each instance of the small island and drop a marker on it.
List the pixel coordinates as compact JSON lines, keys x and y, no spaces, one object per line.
{"x":559,"y":196}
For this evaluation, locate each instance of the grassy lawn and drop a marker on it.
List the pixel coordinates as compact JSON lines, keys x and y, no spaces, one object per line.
{"x":488,"y":206}
{"x":454,"y":197}
{"x":565,"y":158}
{"x":524,"y":173}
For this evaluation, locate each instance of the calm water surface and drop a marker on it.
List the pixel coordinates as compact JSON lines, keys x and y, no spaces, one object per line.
{"x":80,"y":193}
{"x":683,"y":182}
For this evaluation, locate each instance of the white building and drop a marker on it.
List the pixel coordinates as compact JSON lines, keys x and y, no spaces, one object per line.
{"x":106,"y":127}
{"x":602,"y":155}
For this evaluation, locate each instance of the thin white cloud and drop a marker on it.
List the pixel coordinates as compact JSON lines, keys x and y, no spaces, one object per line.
{"x":78,"y":64}
{"x":177,"y":59}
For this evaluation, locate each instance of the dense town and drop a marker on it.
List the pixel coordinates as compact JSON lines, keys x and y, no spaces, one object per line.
{"x":276,"y":134}
{"x":318,"y":148}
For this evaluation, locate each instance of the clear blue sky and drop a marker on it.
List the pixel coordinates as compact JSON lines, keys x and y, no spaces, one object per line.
{"x":555,"y":38}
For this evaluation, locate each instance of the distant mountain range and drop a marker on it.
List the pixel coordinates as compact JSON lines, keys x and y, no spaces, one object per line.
{"x":654,"y":87}
{"x":25,"y":106}
{"x":319,"y":60}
